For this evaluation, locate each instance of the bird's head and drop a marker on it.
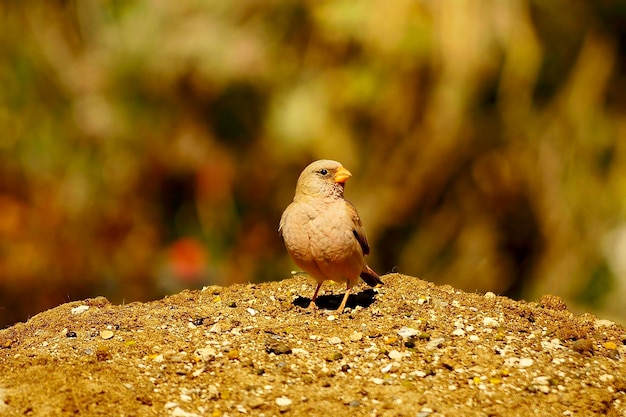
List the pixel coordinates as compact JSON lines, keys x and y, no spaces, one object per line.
{"x":323,"y":178}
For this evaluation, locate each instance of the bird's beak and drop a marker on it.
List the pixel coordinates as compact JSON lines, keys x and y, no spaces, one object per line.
{"x":342,"y":175}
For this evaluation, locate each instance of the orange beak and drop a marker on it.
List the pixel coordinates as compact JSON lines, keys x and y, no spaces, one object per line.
{"x":342,"y":175}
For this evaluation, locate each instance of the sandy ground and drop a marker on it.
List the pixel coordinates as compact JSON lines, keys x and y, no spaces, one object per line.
{"x":408,"y":348}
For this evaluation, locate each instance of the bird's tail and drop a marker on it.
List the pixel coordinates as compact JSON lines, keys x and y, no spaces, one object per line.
{"x":370,"y":277}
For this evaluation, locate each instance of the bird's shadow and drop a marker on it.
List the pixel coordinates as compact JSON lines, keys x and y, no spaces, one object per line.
{"x":364,"y":299}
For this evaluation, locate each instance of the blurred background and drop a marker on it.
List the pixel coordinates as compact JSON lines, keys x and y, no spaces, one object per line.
{"x":151,"y":146}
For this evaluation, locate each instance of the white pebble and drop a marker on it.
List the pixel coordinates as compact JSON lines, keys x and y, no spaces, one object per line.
{"x":474,"y":338}
{"x":299,"y":352}
{"x":385,"y":369}
{"x":490,"y":322}
{"x":331,"y":318}
{"x":377,"y":381}
{"x":544,"y":388}
{"x":283,"y":402}
{"x":106,"y":334}
{"x":334,"y":340}
{"x":79,"y":309}
{"x":525,"y":362}
{"x":179,"y":412}
{"x":490,"y":295}
{"x":425,"y":412}
{"x":395,"y":355}
{"x":407,"y":332}
{"x":435,"y":343}
{"x":458,"y":332}
{"x":206,"y":354}
{"x":356,"y":336}
{"x":251,"y":311}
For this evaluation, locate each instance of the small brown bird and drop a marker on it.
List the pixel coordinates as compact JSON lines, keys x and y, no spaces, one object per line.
{"x":323,"y":232}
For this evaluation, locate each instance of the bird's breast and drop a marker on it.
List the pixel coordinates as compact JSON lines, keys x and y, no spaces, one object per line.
{"x":321,"y":230}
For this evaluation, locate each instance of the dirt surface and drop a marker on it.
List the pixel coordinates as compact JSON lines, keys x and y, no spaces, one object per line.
{"x":409,"y":348}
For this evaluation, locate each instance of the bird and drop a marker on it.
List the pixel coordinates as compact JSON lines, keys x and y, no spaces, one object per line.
{"x":323,"y":232}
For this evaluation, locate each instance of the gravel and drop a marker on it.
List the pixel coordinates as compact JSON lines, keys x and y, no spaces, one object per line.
{"x":408,"y":348}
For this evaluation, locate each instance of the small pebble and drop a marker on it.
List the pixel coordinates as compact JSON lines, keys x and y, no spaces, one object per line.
{"x":70,"y":334}
{"x":490,"y":295}
{"x":583,"y":346}
{"x":79,"y":309}
{"x":331,"y":318}
{"x":608,"y":345}
{"x":552,"y":302}
{"x":377,"y":381}
{"x":299,"y":352}
{"x":395,"y":355}
{"x":251,"y":311}
{"x":458,"y":332}
{"x":385,"y":369}
{"x":106,"y":334}
{"x":406,"y":332}
{"x":606,"y":377}
{"x":179,"y":412}
{"x":541,"y":380}
{"x":435,"y":343}
{"x":390,"y":340}
{"x":206,"y":354}
{"x":425,"y":412}
{"x":283,"y":403}
{"x":525,"y":362}
{"x":544,"y":389}
{"x":356,"y":336}
{"x":490,"y":322}
{"x":277,"y":347}
{"x":334,"y":340}
{"x":255,"y":403}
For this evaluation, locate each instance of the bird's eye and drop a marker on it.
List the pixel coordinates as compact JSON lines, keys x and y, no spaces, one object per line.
{"x":323,"y":172}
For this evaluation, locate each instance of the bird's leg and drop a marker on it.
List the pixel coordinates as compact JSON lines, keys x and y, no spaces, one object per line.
{"x":344,"y":301}
{"x":317,"y":289}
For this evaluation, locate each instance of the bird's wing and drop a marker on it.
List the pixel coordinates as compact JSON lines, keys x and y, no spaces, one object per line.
{"x":357,"y":228}
{"x":283,"y":219}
